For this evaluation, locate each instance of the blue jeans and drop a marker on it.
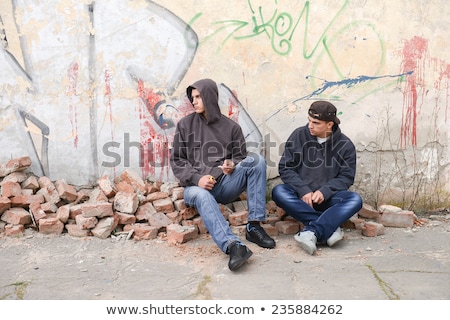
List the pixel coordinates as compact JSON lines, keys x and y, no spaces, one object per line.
{"x":249,"y":175}
{"x":322,"y":219}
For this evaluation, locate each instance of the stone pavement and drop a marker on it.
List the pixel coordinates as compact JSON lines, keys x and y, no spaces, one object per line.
{"x":404,"y":264}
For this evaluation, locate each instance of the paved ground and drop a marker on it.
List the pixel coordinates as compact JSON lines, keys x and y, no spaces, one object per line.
{"x":405,"y":264}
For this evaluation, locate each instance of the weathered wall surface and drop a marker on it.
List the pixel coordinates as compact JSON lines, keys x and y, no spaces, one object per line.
{"x":91,"y":88}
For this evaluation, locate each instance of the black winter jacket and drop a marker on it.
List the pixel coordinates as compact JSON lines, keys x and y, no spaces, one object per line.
{"x":308,"y":166}
{"x":200,"y":145}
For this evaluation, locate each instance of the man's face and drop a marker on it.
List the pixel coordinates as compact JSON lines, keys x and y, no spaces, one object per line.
{"x":197,"y":102}
{"x":320,"y":128}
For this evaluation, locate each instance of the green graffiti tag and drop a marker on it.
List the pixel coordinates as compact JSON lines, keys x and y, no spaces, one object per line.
{"x":279,"y":28}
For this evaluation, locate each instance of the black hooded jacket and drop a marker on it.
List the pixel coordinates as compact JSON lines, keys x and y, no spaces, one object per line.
{"x":200,"y":145}
{"x":308,"y":166}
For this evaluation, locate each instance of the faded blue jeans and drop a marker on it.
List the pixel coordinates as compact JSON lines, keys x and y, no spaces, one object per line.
{"x":248,"y":175}
{"x":323,"y":219}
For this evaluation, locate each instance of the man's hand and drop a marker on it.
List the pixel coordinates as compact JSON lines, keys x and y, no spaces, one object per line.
{"x":317,"y":197}
{"x":313,"y":197}
{"x":308,"y":199}
{"x":227,"y":166}
{"x":207,"y":182}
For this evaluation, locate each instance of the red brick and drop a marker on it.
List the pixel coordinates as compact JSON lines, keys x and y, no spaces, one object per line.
{"x":14,"y":165}
{"x":179,"y":204}
{"x":123,"y":186}
{"x":66,"y":191}
{"x":104,"y":227}
{"x":240,"y":206}
{"x":163,"y":205}
{"x":177,"y":234}
{"x":76,"y":210}
{"x":272,"y":219}
{"x":271,"y":207}
{"x":63,"y":213}
{"x":126,"y":218}
{"x":175,"y":216}
{"x":107,"y":187}
{"x":150,"y":188}
{"x":49,"y":193}
{"x":14,"y":230}
{"x":379,"y":228}
{"x":5,"y":204}
{"x":133,"y":179}
{"x":16,"y":216}
{"x":11,"y":189}
{"x":15,"y":177}
{"x":238,"y":218}
{"x":97,"y":195}
{"x":75,"y":231}
{"x":49,"y":207}
{"x":86,"y":222}
{"x":239,"y":230}
{"x":30,"y":183}
{"x":99,"y":210}
{"x":156,"y":196}
{"x":399,"y":219}
{"x":37,"y":212}
{"x":177,"y":193}
{"x":159,"y":220}
{"x":126,"y":202}
{"x":226,"y":211}
{"x":280,"y":212}
{"x":270,"y":229}
{"x":144,"y":211}
{"x":25,"y":201}
{"x":142,"y":231}
{"x":188,"y":213}
{"x":287,"y":227}
{"x":368,"y":212}
{"x":51,"y":226}
{"x":198,"y":221}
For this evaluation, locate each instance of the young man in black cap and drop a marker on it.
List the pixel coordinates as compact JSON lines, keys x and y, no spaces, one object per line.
{"x":318,"y":167}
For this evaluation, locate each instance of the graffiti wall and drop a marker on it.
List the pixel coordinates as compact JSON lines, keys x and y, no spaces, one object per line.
{"x":90,"y":88}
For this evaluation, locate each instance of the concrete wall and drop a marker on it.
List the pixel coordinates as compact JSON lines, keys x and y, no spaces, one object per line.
{"x":91,"y":88}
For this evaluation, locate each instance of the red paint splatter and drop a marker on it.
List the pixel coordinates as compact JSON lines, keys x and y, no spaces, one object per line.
{"x":72,"y":74}
{"x":155,"y":150}
{"x":414,"y":54}
{"x":416,"y":59}
{"x":108,"y":98}
{"x":233,"y":111}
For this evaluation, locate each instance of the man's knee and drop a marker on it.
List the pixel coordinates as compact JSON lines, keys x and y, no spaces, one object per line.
{"x":254,"y":160}
{"x":277,"y":192}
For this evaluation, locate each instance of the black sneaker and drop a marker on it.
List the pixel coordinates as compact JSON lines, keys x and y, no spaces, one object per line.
{"x":239,"y":254}
{"x":257,"y":234}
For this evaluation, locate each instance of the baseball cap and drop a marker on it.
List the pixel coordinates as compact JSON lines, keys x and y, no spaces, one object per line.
{"x":323,"y":110}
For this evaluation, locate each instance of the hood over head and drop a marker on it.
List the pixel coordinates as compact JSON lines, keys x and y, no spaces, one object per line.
{"x":210,"y":97}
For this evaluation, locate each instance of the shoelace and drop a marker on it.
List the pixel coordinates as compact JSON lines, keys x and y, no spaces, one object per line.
{"x":256,"y":230}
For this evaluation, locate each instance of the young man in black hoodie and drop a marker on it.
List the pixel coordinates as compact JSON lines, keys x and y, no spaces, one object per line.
{"x":210,"y":159}
{"x":318,"y":167}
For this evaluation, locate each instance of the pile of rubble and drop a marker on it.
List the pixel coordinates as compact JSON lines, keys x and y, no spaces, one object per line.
{"x":130,"y":207}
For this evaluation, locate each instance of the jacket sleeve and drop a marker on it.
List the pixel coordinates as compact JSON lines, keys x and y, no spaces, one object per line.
{"x":181,"y":167}
{"x":290,"y":164}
